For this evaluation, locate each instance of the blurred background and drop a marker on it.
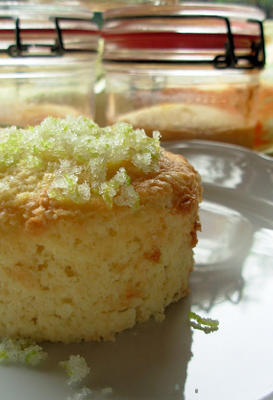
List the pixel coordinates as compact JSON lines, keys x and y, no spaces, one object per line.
{"x":101,"y":5}
{"x":84,"y":57}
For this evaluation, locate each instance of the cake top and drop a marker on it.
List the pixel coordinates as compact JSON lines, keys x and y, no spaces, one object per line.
{"x":73,"y":159}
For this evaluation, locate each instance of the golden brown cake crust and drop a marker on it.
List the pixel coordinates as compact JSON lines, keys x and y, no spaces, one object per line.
{"x":176,"y":180}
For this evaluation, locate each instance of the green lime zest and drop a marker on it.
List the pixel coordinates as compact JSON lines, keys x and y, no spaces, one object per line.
{"x":206,"y":325}
{"x":3,"y":355}
{"x":73,"y":152}
{"x":21,"y":350}
{"x":76,"y":368}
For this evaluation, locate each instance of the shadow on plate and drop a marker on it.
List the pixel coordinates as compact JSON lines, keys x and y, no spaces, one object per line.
{"x":148,"y":362}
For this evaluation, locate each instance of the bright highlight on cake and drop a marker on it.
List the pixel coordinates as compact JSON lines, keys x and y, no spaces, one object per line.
{"x":78,"y":159}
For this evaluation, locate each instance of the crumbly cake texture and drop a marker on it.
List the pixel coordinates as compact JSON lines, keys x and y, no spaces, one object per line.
{"x":97,"y":228}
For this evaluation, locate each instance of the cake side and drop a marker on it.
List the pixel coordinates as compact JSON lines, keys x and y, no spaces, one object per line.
{"x":90,"y":276}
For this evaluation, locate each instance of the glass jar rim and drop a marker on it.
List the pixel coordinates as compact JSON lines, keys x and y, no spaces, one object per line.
{"x":225,"y":35}
{"x":29,"y":10}
{"x":175,"y":69}
{"x":36,"y":68}
{"x":227,"y":10}
{"x":33,"y":29}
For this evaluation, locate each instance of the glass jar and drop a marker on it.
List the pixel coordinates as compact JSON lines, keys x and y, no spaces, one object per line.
{"x":190,"y":71}
{"x":264,"y":136}
{"x":47,"y":62}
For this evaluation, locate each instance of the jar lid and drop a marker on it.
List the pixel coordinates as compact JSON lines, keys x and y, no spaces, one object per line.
{"x":224,"y":36}
{"x":37,"y":30}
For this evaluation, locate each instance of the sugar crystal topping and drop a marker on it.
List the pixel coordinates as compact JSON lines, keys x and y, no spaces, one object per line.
{"x":21,"y":350}
{"x":74,"y":159}
{"x":76,"y":368}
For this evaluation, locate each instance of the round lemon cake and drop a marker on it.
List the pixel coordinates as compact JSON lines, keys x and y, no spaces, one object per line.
{"x":97,"y":229}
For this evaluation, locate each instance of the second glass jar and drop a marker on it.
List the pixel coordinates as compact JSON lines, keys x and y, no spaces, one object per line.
{"x":184,"y":70}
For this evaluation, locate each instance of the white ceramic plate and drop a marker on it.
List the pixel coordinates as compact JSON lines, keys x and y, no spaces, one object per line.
{"x":232,"y":282}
